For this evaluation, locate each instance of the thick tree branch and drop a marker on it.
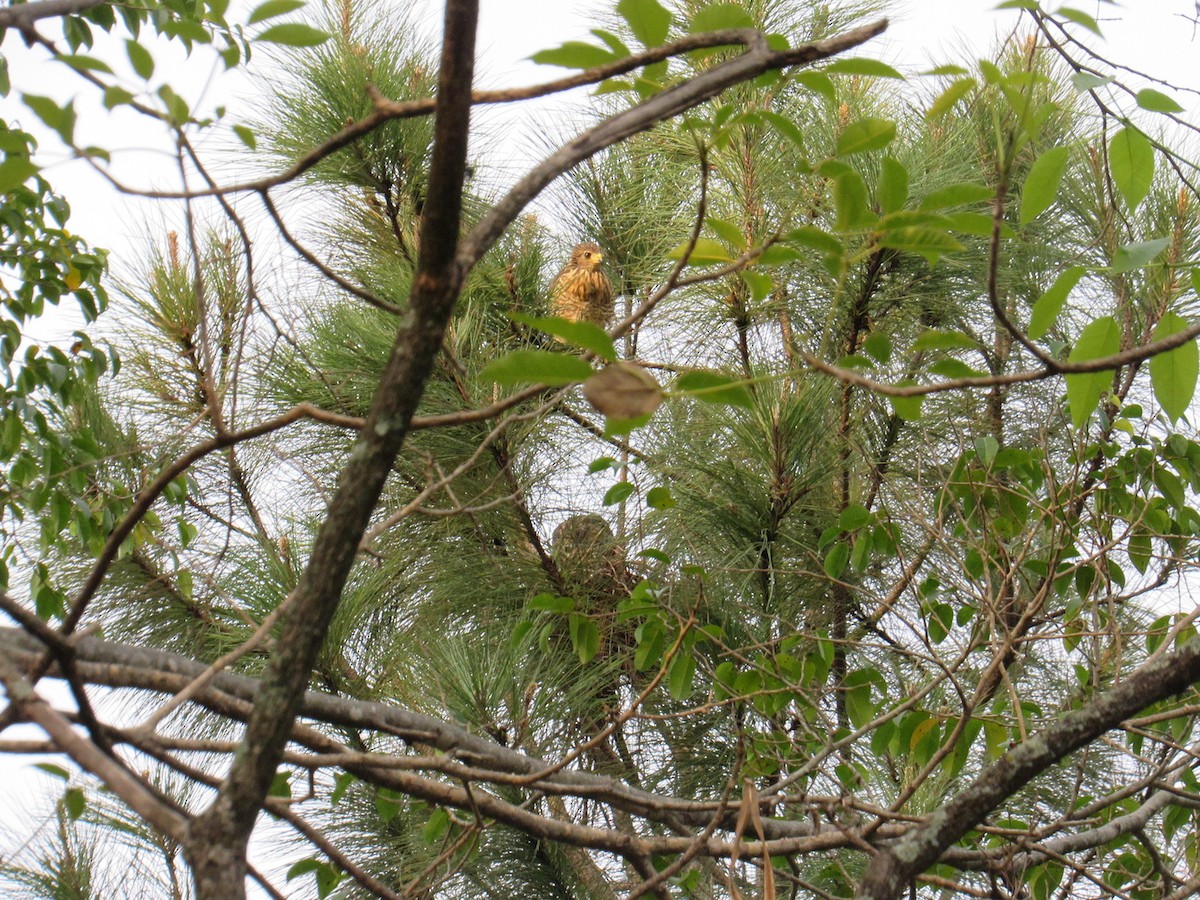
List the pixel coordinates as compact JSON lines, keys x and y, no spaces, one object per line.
{"x":22,"y":16}
{"x":217,"y":840}
{"x":895,"y":866}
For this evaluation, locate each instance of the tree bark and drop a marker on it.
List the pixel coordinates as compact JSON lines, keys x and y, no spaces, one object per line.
{"x":216,"y":841}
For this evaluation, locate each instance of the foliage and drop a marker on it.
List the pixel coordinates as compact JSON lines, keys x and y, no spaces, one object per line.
{"x":866,"y":529}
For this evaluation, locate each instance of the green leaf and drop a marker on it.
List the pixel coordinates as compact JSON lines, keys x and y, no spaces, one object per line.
{"x":706,"y":251}
{"x":618,"y":493}
{"x":294,"y":34}
{"x":60,"y":119}
{"x":1086,"y":81}
{"x":281,"y":784}
{"x":651,"y":641}
{"x":86,"y":63}
{"x":928,"y":242}
{"x":893,"y":185}
{"x":550,"y":603}
{"x":648,"y":20}
{"x":246,"y":136}
{"x":273,"y":8}
{"x":115,"y":96}
{"x":585,"y":637}
{"x":56,"y":771}
{"x":1041,"y":185}
{"x":859,"y":708}
{"x":777,"y":254}
{"x":1138,"y":255}
{"x":818,"y":83}
{"x":865,"y":135}
{"x":817,"y":238}
{"x":936,"y":339}
{"x":1050,"y":304}
{"x":1173,"y":373}
{"x":957,"y":195}
{"x":680,"y":672}
{"x":659,"y":498}
{"x":853,"y":516}
{"x":760,"y":285}
{"x":1131,"y":161}
{"x":907,"y":408}
{"x":1099,"y":339}
{"x":14,"y":172}
{"x":140,"y":59}
{"x":719,"y":17}
{"x":340,"y":785}
{"x":538,"y":367}
{"x":614,"y":43}
{"x":713,"y":387}
{"x":577,"y":334}
{"x":1157,"y":101}
{"x":784,"y":126}
{"x":879,"y":346}
{"x":727,"y":232}
{"x":863,"y":66}
{"x":836,"y":559}
{"x":948,"y":98}
{"x":850,"y":201}
{"x":303,"y":867}
{"x":1079,"y":18}
{"x":601,"y":464}
{"x":437,"y":826}
{"x":75,"y":803}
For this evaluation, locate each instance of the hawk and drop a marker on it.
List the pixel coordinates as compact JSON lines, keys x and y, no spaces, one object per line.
{"x":581,"y":292}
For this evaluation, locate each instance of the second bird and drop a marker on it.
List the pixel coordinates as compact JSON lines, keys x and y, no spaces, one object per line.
{"x":581,"y":292}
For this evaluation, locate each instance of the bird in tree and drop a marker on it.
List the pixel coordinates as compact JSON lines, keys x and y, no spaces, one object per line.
{"x":581,"y":292}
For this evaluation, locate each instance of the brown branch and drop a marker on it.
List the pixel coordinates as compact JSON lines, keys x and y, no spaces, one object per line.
{"x":896,"y":865}
{"x":87,"y":755}
{"x":22,"y":16}
{"x":216,"y":841}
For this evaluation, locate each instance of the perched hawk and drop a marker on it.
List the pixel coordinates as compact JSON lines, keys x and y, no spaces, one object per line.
{"x":581,"y":292}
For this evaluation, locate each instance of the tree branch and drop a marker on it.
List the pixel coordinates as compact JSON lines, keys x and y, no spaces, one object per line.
{"x":895,"y":866}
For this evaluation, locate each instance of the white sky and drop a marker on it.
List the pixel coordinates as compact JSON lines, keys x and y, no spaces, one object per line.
{"x":1158,"y":38}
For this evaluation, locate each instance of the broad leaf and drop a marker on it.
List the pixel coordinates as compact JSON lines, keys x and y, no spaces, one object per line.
{"x":1050,"y":304}
{"x":1138,"y":255}
{"x":1086,"y":81}
{"x":864,"y":135}
{"x":957,"y":195}
{"x":273,"y":8}
{"x":1173,"y":373}
{"x":294,"y":34}
{"x":648,"y":20}
{"x":574,"y":55}
{"x":706,"y":252}
{"x":1157,"y":101}
{"x":928,"y":242}
{"x":862,"y":66}
{"x":578,"y":334}
{"x":948,"y":98}
{"x":1131,"y":161}
{"x":713,"y":387}
{"x":538,"y":367}
{"x":1099,"y":339}
{"x":893,"y":185}
{"x":719,"y":17}
{"x":1041,"y":185}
